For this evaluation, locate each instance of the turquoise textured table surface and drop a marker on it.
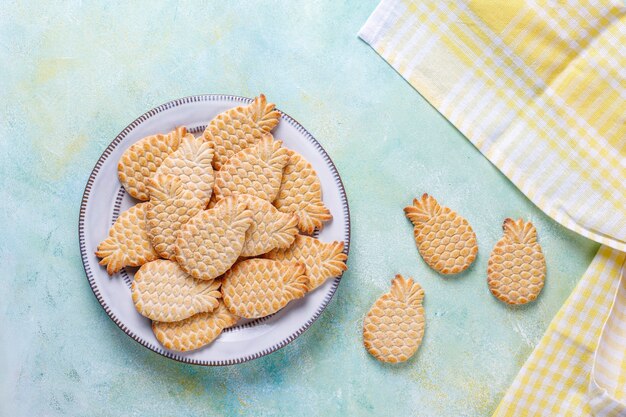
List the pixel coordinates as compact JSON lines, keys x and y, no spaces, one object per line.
{"x":74,"y":75}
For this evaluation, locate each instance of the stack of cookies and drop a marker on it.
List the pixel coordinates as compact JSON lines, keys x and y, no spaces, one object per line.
{"x":223,"y":229}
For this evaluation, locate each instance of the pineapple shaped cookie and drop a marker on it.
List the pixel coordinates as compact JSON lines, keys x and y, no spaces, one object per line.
{"x":394,"y":326}
{"x":128,"y":243}
{"x":259,"y":287}
{"x":517,"y":269}
{"x":444,"y":239}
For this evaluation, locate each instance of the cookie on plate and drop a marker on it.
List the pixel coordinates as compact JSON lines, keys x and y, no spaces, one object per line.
{"x":259,"y":287}
{"x":394,"y":327}
{"x":128,"y":243}
{"x":171,"y":205}
{"x":301,"y":193}
{"x":239,"y":128}
{"x":162,"y":291}
{"x":139,"y":162}
{"x":256,"y":170}
{"x":270,"y":228}
{"x":516,"y":270}
{"x":191,"y":162}
{"x":445,"y":240}
{"x":195,"y":331}
{"x":322,"y":260}
{"x":211,"y":241}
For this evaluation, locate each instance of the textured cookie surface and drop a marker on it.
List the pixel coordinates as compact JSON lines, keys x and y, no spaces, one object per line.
{"x":322,"y":260}
{"x":211,"y":241}
{"x":170,"y":207}
{"x":444,"y":239}
{"x":162,"y":291}
{"x":239,"y":128}
{"x":270,"y":228}
{"x":256,"y":170}
{"x":301,"y":193}
{"x":128,"y":243}
{"x":259,"y":287}
{"x":394,"y":326}
{"x":195,"y":331}
{"x":191,"y":163}
{"x":517,"y":268}
{"x":139,"y":162}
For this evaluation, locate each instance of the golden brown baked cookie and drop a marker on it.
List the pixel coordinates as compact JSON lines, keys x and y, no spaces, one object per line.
{"x":139,"y":162}
{"x":260,"y":287}
{"x":394,"y":326}
{"x":517,"y":268}
{"x":270,"y":228}
{"x":301,"y":193}
{"x":191,"y":162}
{"x":322,"y":260}
{"x":445,"y":240}
{"x":195,"y":331}
{"x":211,"y":241}
{"x":256,"y":170}
{"x":170,"y":207}
{"x":128,"y":243}
{"x":239,"y":128}
{"x":162,"y":291}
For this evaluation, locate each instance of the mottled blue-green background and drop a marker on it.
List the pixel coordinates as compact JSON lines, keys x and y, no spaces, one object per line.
{"x":73,"y":75}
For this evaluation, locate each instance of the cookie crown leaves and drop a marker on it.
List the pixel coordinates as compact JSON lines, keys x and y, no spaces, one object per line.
{"x":223,"y":317}
{"x":197,"y":150}
{"x":519,"y":231}
{"x":235,"y":211}
{"x":296,"y":283}
{"x":207,"y":296}
{"x":173,"y":138}
{"x":165,"y":186}
{"x":212,"y":287}
{"x":407,"y":291}
{"x":271,"y":151}
{"x":285,"y":229}
{"x":112,"y":256}
{"x":264,"y":113}
{"x":313,"y":214}
{"x":336,"y":260}
{"x":422,"y":210}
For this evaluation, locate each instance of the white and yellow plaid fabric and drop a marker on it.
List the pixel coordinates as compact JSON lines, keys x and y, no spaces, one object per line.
{"x":607,"y":388}
{"x":555,"y":380}
{"x":539,"y":87}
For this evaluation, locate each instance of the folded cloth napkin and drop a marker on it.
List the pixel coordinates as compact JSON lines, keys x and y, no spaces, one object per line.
{"x":540,"y":89}
{"x":557,"y":378}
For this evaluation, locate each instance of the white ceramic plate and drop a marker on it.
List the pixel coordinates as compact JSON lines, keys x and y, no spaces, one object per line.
{"x":105,"y":198}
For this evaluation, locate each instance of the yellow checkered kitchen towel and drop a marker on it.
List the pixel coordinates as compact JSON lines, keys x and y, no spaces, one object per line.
{"x":557,"y":379}
{"x":540,"y":89}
